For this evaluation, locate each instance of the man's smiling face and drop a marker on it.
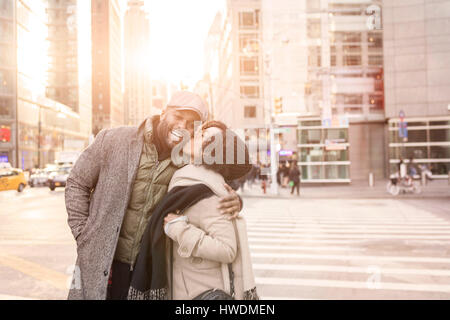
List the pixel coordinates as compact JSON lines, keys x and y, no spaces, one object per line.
{"x":173,"y":122}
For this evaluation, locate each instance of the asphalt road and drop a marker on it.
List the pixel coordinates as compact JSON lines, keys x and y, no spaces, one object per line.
{"x":301,"y":248}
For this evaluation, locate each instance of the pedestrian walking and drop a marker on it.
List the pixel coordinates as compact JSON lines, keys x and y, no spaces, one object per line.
{"x":252,"y":176}
{"x":263,"y":177}
{"x":294,"y":177}
{"x":285,"y":175}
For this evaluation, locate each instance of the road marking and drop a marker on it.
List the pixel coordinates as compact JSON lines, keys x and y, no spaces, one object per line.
{"x":336,"y":241}
{"x":299,"y":247}
{"x":56,"y":279}
{"x":347,"y":236}
{"x":349,"y":257}
{"x":339,"y":226}
{"x":9,"y":297}
{"x":352,"y":284}
{"x":355,"y":230}
{"x":344,"y":219}
{"x":36,"y":242}
{"x":344,"y":269}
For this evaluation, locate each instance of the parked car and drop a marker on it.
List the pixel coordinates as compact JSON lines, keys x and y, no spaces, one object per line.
{"x":58,"y":178}
{"x":5,"y":165}
{"x":12,"y":179}
{"x":39,"y":178}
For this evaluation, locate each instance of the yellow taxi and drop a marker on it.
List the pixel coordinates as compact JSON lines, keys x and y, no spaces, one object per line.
{"x":12,"y":179}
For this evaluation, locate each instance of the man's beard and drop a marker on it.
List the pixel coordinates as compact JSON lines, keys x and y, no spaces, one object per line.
{"x":168,"y":136}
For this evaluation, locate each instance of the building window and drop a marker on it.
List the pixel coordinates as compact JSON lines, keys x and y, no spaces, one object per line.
{"x":6,"y":82}
{"x":249,"y":65}
{"x":333,"y":56}
{"x":314,"y":29}
{"x":6,"y":55}
{"x":249,"y":19}
{"x":345,"y":9}
{"x":352,"y":60}
{"x":375,"y":60}
{"x":376,"y":102}
{"x":346,"y":37}
{"x":312,"y":5}
{"x":426,"y":144}
{"x":314,"y":56}
{"x":375,"y":41}
{"x":6,"y":107}
{"x":249,"y":92}
{"x":250,"y":112}
{"x":324,"y":154}
{"x":249,"y":43}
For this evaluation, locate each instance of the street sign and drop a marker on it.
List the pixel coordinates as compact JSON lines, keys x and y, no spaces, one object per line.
{"x":335,"y":144}
{"x":286,"y":153}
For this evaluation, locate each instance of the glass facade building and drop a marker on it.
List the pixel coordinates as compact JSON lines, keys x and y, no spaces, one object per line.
{"x":7,"y":82}
{"x":34,"y":128}
{"x":427,"y":143}
{"x":323,"y":151}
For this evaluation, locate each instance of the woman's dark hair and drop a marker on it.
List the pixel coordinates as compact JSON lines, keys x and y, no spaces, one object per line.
{"x":236,"y":169}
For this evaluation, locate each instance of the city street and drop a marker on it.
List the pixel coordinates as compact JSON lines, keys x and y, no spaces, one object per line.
{"x":393,"y":248}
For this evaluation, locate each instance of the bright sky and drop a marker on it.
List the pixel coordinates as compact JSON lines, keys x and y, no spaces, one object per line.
{"x":178,"y":30}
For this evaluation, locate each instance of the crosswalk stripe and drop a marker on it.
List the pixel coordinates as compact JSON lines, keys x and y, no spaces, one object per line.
{"x":346,"y":236}
{"x":345,"y":269}
{"x":353,"y":284}
{"x":349,"y":257}
{"x":56,"y":279}
{"x":306,"y":250}
{"x":352,"y":230}
{"x":298,"y":247}
{"x":349,"y":224}
{"x":333,"y":241}
{"x":339,"y":226}
{"x":10,"y":297}
{"x":345,"y":220}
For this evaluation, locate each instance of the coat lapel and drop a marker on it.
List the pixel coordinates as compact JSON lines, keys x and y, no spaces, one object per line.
{"x":134,"y":155}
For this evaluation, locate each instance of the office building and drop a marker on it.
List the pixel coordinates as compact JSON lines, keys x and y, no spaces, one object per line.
{"x":234,"y":65}
{"x":137,"y":98}
{"x":107,"y":93}
{"x":35,"y":129}
{"x":417,"y":68}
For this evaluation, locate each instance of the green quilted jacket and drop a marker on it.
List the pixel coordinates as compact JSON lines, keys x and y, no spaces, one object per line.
{"x":150,"y":186}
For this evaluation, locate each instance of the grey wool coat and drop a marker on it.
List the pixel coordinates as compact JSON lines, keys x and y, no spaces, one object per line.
{"x":97,"y":194}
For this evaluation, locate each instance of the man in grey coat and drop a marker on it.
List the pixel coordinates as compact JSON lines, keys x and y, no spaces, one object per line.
{"x":113,"y":188}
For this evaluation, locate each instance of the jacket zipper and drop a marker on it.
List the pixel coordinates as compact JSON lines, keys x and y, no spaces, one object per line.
{"x":140,"y":223}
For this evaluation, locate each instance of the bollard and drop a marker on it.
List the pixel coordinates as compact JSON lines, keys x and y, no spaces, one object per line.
{"x":371,"y":182}
{"x":424,"y":178}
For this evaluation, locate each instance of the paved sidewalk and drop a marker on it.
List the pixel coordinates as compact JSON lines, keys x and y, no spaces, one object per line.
{"x":355,"y":190}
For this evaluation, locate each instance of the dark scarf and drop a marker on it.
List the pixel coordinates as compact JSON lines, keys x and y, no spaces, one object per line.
{"x":149,"y":279}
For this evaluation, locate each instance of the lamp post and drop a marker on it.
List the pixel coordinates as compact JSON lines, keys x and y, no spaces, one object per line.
{"x":39,"y":136}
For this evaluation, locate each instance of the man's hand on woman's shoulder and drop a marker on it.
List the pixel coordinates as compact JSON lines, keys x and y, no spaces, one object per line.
{"x":230,"y":204}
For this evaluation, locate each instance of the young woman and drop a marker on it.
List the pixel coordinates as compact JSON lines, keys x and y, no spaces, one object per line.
{"x":206,"y":242}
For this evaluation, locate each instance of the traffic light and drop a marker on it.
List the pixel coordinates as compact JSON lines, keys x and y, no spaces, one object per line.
{"x":278,"y":105}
